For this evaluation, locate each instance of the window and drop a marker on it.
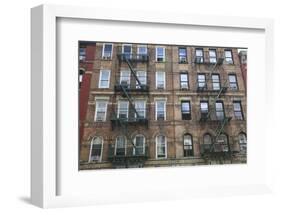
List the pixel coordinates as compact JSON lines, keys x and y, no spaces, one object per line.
{"x":207,"y":142}
{"x":82,"y":53}
{"x":184,"y":80}
{"x":142,"y":78}
{"x":219,"y":110}
{"x":161,"y":149}
{"x":182,"y":55}
{"x":104,"y":79}
{"x":185,"y":110}
{"x":125,"y":77}
{"x":140,"y":108}
{"x":96,"y":149}
{"x":123,"y":110}
{"x":204,"y":109}
{"x":142,"y":50}
{"x":228,"y":56}
{"x":81,"y":73}
{"x":242,"y":142}
{"x":127,"y":50}
{"x":101,"y":108}
{"x":187,"y":145}
{"x":139,"y":142}
{"x":213,"y":56}
{"x":216,"y":81}
{"x":232,"y":82}
{"x":120,"y":146}
{"x":237,"y":108}
{"x":107,"y":51}
{"x":199,"y":59}
{"x":160,"y":80}
{"x":201,"y":78}
{"x":160,"y":54}
{"x":160,"y":110}
{"x":222,"y":144}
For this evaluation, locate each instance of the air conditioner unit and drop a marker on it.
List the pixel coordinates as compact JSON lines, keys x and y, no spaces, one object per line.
{"x":182,"y":60}
{"x":184,"y":86}
{"x":160,"y":86}
{"x":106,"y":57}
{"x":99,"y":119}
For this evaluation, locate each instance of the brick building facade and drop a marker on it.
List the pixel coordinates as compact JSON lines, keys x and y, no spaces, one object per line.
{"x":160,"y":105}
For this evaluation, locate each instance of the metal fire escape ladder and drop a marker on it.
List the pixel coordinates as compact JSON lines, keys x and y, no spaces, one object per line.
{"x":129,"y":99}
{"x":133,"y":71}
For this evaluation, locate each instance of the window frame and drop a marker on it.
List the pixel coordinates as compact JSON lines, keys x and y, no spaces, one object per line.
{"x":156,"y":80}
{"x":131,"y":52}
{"x":231,"y":83}
{"x":223,"y":110}
{"x":211,"y":57}
{"x":96,"y":110}
{"x":142,"y":45}
{"x":118,"y":109}
{"x":144,"y":101}
{"x":207,"y":102}
{"x":244,"y":143}
{"x":166,"y":148}
{"x":82,"y":57}
{"x":202,"y":59}
{"x":143,"y":146}
{"x":156,"y":54}
{"x":185,"y":56}
{"x":100,"y":79}
{"x":145,"y":77}
{"x":103,"y":49}
{"x":91,"y":150}
{"x":122,"y":75}
{"x":125,"y":145}
{"x":189,"y":117}
{"x":186,"y":151}
{"x":235,"y":111}
{"x":156,"y":109}
{"x":187,"y":81}
{"x":225,"y":57}
{"x":218,"y":82}
{"x":198,"y":82}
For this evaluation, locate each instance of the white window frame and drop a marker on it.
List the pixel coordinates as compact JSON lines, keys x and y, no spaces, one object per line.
{"x":225,"y":57}
{"x":91,"y":148}
{"x":134,"y":141}
{"x":212,"y":58}
{"x":122,"y":75}
{"x":118,"y":110}
{"x":123,"y":45}
{"x":105,"y":87}
{"x":145,"y":77}
{"x":96,"y":110}
{"x":103,"y":48}
{"x":187,"y":80}
{"x":156,"y":79}
{"x":142,"y":45}
{"x":144,"y":101}
{"x":156,"y":108}
{"x":156,"y":53}
{"x":156,"y":147}
{"x":115,"y":147}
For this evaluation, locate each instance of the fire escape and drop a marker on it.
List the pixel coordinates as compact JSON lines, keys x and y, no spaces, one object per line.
{"x":133,"y":155}
{"x":218,"y":148}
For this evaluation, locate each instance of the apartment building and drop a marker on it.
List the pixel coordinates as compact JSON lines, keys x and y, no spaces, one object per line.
{"x":150,"y":105}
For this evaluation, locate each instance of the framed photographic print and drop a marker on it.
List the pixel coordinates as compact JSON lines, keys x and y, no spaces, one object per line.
{"x":147,"y":105}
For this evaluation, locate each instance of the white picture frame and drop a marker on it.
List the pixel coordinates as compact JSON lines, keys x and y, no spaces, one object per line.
{"x":45,"y":174}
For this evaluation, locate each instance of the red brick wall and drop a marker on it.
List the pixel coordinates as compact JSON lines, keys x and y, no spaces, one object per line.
{"x":84,"y":92}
